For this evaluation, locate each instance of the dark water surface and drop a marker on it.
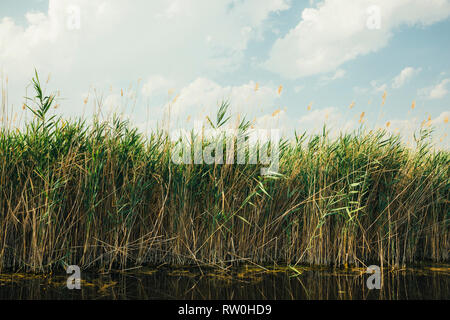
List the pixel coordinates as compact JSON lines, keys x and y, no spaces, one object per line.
{"x":246,"y":283}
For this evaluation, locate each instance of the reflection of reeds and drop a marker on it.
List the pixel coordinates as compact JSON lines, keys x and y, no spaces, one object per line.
{"x":104,"y":196}
{"x":166,"y":284}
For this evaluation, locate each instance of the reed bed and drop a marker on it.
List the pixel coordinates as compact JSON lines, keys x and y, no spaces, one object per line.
{"x":101,"y":195}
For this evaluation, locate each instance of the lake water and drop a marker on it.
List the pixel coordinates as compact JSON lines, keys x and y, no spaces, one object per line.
{"x":245,"y":283}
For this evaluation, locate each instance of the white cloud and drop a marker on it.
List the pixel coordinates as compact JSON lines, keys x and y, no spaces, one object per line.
{"x":404,"y":76}
{"x":378,"y":87}
{"x":375,"y":88}
{"x":406,"y":128}
{"x":360,"y":90}
{"x":401,"y":79}
{"x":201,"y":98}
{"x":440,"y":90}
{"x":331,"y":117}
{"x":122,"y":41}
{"x":278,"y":119}
{"x":337,"y":31}
{"x":437,"y":92}
{"x":340,"y":73}
{"x":157,"y":84}
{"x":112,"y":104}
{"x":442,"y":119}
{"x":299,"y":88}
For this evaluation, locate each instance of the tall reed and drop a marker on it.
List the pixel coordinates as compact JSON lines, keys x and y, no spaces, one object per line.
{"x":104,"y":196}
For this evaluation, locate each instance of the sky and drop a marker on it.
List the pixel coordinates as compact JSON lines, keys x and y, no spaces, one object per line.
{"x":285,"y":64}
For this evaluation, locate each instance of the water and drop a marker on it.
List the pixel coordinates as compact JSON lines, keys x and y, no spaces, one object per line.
{"x":246,"y":283}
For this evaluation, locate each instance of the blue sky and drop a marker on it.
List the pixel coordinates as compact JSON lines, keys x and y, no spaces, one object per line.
{"x":288,"y":64}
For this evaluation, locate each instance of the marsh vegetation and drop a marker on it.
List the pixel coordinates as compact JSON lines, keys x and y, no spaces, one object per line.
{"x":103,"y":196}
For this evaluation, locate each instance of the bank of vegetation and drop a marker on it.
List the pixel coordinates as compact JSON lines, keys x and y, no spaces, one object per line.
{"x":101,"y":195}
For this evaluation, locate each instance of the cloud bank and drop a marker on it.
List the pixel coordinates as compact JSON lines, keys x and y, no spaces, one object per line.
{"x":338,"y":31}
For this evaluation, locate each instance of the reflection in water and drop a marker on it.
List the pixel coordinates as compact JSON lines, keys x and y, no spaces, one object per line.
{"x":275,"y":284}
